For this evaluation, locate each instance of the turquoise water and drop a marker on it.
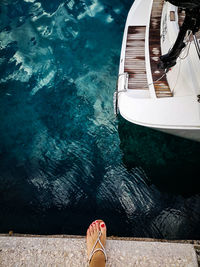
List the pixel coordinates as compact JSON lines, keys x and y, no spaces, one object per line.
{"x":65,"y":159}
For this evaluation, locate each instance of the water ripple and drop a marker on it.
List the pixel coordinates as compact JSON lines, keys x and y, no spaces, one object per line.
{"x":65,"y":158}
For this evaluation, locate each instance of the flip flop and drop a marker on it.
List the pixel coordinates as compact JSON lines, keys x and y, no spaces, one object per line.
{"x":101,"y":248}
{"x":93,"y":251}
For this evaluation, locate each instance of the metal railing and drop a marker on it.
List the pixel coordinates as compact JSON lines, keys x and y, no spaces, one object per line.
{"x":197,"y":45}
{"x":115,"y":96}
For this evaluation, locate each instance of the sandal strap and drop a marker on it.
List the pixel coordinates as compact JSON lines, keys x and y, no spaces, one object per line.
{"x":98,"y":249}
{"x":93,"y":251}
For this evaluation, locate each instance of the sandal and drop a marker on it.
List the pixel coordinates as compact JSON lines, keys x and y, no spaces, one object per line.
{"x":93,"y":251}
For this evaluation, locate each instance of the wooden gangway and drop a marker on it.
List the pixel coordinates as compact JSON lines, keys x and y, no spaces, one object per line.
{"x":135,"y":55}
{"x":135,"y":58}
{"x":161,"y":85}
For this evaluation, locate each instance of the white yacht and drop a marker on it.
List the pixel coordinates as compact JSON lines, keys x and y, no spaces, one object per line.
{"x":159,"y":73}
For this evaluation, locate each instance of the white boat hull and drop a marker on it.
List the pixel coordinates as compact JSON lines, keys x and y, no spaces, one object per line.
{"x":175,"y":111}
{"x":193,"y":135}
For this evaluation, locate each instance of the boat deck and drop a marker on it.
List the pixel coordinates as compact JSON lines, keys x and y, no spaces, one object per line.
{"x":135,"y":55}
{"x":135,"y":58}
{"x":181,"y":16}
{"x":161,"y":86}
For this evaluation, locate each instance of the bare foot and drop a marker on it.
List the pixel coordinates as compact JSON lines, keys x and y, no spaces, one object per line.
{"x":92,"y":236}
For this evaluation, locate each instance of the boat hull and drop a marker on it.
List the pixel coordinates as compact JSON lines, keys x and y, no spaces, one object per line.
{"x":165,"y":102}
{"x":190,"y":134}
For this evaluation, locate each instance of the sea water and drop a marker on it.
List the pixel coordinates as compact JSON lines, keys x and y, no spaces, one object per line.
{"x":65,"y":160}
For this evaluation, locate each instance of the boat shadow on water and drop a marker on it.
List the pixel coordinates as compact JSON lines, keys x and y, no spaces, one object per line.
{"x":170,"y":162}
{"x":167,"y":193}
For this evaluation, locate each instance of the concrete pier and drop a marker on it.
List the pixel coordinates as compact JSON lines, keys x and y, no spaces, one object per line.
{"x":71,"y":251}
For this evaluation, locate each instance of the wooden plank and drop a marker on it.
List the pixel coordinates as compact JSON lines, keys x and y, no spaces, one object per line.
{"x":161,"y":87}
{"x":135,"y":58}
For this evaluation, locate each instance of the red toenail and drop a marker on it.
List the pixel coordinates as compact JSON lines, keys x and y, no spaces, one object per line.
{"x":102,"y":225}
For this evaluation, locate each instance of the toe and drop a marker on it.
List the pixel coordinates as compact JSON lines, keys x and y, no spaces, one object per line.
{"x":92,"y":228}
{"x":97,"y":226}
{"x":103,"y":227}
{"x":88,"y":232}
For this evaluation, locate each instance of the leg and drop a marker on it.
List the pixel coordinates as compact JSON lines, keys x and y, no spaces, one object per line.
{"x":98,"y":259}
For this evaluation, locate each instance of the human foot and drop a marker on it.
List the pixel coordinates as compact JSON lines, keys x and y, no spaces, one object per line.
{"x":96,"y":240}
